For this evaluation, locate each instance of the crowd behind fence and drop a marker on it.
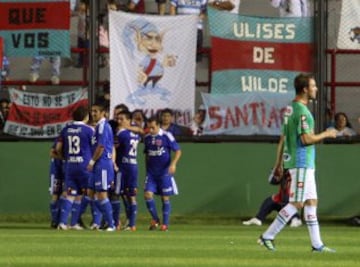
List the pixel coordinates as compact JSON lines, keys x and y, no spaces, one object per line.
{"x":342,"y":84}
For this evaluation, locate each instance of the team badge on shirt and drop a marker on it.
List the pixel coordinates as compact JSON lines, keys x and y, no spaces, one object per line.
{"x":304,"y":124}
{"x":158,"y":142}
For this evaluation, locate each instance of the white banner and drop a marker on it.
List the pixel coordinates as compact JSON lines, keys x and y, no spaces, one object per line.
{"x":349,"y":29}
{"x":152,"y":61}
{"x":35,"y":115}
{"x":253,"y":113}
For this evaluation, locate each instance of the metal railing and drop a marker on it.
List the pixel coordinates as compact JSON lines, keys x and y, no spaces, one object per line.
{"x":333,"y":83}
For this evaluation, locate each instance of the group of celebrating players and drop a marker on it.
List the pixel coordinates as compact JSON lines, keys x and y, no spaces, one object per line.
{"x":93,"y":164}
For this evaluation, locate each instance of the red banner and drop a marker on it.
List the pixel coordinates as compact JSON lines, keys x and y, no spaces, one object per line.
{"x":241,"y":54}
{"x":34,"y":115}
{"x":1,"y":51}
{"x":42,"y":116}
{"x":36,"y":15}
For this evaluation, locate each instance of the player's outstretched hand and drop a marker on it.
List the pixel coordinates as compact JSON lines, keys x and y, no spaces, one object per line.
{"x":331,"y":133}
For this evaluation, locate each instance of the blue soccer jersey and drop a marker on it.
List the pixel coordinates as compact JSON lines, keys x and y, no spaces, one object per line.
{"x":76,"y":138}
{"x":103,"y":173}
{"x":158,"y":151}
{"x":126,"y":144}
{"x":103,"y":137}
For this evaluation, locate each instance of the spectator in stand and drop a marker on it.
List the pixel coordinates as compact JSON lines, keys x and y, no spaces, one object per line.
{"x":196,"y":7}
{"x":55,"y":69}
{"x":275,"y":202}
{"x":73,"y":4}
{"x":292,"y":8}
{"x":139,"y":119}
{"x":233,"y":6}
{"x":5,"y":71}
{"x":105,"y":97}
{"x":83,"y":32}
{"x":161,"y":6}
{"x":197,"y":125}
{"x":111,"y":5}
{"x":136,"y":6}
{"x":4,"y":111}
{"x":167,"y":122}
{"x":54,"y":60}
{"x":342,"y":125}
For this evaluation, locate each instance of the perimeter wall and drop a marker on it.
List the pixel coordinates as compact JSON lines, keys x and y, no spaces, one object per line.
{"x":213,"y":178}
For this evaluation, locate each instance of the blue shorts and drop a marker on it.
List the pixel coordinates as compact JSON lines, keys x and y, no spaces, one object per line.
{"x":126,"y":181}
{"x":161,"y":185}
{"x":102,"y":177}
{"x":76,"y":185}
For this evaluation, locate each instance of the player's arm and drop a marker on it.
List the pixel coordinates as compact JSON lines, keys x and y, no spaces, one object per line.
{"x":57,"y":152}
{"x":174,"y":161}
{"x":54,"y":154}
{"x":116,"y":168}
{"x":311,"y":138}
{"x":278,"y":168}
{"x":135,"y":129}
{"x":97,"y":154}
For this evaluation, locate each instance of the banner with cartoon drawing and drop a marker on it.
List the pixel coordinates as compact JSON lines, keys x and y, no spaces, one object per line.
{"x":349,"y":29}
{"x":152,"y":62}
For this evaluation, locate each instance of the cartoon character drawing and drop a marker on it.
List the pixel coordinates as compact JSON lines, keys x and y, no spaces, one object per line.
{"x":355,"y":34}
{"x":144,"y":36}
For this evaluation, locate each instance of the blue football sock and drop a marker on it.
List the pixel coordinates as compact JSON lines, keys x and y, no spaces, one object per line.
{"x":115,"y":204}
{"x":95,"y":212}
{"x":65,"y":209}
{"x":132,"y":213}
{"x":166,"y":208}
{"x":150,"y":204}
{"x":75,"y":212}
{"x":126,"y":206}
{"x":105,"y":207}
{"x":54,"y":211}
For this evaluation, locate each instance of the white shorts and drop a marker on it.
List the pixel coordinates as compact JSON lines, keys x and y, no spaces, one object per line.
{"x":303,"y":186}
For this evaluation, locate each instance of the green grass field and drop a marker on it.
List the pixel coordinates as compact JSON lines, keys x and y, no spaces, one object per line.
{"x":34,"y":245}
